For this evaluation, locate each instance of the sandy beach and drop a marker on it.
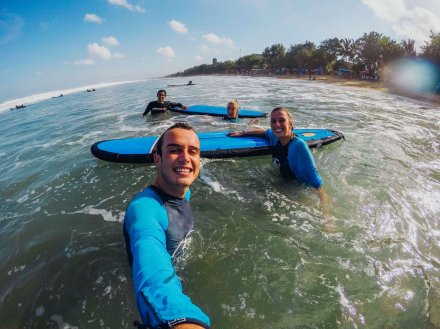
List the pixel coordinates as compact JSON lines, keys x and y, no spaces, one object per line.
{"x":373,"y":85}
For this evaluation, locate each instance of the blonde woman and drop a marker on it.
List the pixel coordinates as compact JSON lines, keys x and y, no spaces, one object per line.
{"x":232,"y":109}
{"x":232,"y":115}
{"x":289,"y":153}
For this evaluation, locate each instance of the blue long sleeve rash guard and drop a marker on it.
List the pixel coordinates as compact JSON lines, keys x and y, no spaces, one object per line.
{"x":154,"y":229}
{"x":300,"y":159}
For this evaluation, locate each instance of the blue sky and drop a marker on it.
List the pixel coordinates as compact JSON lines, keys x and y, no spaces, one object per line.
{"x":54,"y":44}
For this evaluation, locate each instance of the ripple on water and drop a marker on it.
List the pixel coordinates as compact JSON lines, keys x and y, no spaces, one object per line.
{"x":259,"y":245}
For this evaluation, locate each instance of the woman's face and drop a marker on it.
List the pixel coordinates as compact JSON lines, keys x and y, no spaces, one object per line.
{"x":232,"y":110}
{"x":280,"y":124}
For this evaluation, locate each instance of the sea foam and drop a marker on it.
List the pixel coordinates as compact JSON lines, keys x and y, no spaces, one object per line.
{"x":28,"y":100}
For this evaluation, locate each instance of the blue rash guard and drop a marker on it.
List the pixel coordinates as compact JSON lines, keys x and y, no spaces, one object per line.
{"x":155,"y":227}
{"x":233,"y":120}
{"x":294,"y":160}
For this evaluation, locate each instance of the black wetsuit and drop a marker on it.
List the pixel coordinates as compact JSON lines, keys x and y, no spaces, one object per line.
{"x":280,"y":159}
{"x":156,"y":104}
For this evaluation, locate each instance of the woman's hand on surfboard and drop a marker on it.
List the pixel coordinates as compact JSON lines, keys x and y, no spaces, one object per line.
{"x":236,"y":133}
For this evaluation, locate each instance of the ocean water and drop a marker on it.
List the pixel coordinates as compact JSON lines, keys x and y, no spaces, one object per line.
{"x":260,"y":256}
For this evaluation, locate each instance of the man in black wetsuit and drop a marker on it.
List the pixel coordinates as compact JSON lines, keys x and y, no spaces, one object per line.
{"x":161,"y":105}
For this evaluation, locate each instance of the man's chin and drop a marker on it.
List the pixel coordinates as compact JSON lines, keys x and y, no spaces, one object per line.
{"x":184,"y":181}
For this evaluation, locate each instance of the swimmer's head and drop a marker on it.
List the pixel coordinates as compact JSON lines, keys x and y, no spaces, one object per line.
{"x":232,"y":108}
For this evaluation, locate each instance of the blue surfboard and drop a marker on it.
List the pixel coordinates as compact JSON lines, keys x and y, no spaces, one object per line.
{"x":214,"y":145}
{"x":218,"y":111}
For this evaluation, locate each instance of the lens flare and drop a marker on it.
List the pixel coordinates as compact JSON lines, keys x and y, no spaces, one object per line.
{"x":413,"y":75}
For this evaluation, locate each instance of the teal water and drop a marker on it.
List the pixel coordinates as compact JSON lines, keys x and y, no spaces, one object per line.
{"x":260,"y":256}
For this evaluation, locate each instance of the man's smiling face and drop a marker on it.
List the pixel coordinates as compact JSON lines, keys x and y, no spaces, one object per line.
{"x":179,"y":164}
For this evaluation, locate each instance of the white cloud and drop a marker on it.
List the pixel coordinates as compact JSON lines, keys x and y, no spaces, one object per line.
{"x":85,"y":61}
{"x":408,"y":18}
{"x":97,"y":51}
{"x":178,"y":27}
{"x":214,"y":38}
{"x":166,"y":51}
{"x":110,"y":41}
{"x":199,"y":58}
{"x":101,"y":52}
{"x":126,"y":4}
{"x":118,"y":55}
{"x":389,"y":10}
{"x":92,"y":18}
{"x":204,"y":48}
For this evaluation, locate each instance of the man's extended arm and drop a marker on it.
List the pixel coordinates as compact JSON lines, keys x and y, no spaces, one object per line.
{"x":158,"y":291}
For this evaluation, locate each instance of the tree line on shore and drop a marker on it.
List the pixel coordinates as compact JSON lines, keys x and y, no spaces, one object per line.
{"x":365,"y":55}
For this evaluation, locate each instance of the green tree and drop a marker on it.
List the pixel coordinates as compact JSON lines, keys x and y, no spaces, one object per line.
{"x":274,"y":55}
{"x":431,"y":49}
{"x":250,"y":62}
{"x":349,"y":51}
{"x":409,"y":47}
{"x":329,"y":51}
{"x":370,"y":51}
{"x":304,"y":55}
{"x":290,"y":57}
{"x":226,"y":66}
{"x":390,"y":50}
{"x":344,"y":50}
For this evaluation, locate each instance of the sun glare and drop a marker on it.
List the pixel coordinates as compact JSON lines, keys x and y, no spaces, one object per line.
{"x":414,"y":75}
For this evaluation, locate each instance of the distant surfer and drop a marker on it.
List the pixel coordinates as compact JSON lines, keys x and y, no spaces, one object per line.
{"x":290,"y":154}
{"x":157,"y":223}
{"x":190,"y":83}
{"x":22,"y":106}
{"x":161,"y":105}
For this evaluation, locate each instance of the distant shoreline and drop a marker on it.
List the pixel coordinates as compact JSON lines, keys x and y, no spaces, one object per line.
{"x":380,"y":86}
{"x":373,"y":85}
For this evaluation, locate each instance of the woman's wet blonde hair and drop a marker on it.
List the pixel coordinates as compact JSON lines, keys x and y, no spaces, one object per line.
{"x":285,"y":110}
{"x":235,"y":103}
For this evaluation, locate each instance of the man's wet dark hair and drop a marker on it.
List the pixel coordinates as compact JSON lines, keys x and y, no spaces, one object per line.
{"x":161,"y":91}
{"x":180,"y":125}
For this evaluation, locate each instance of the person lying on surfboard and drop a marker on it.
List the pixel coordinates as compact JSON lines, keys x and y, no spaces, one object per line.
{"x":161,"y":105}
{"x":290,"y":154}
